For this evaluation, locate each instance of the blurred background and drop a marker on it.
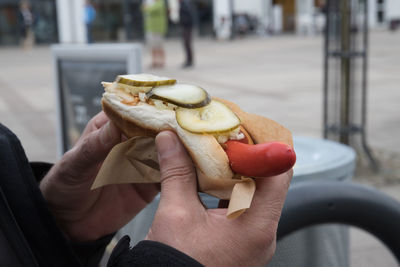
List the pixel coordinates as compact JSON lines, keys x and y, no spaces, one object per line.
{"x":324,"y":69}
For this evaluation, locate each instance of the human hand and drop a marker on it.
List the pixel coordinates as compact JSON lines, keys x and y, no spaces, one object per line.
{"x":84,"y":214}
{"x":182,"y":222}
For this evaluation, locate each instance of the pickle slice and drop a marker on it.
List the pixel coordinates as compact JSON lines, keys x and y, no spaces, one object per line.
{"x":213,"y":118}
{"x":144,"y":79}
{"x":182,"y":95}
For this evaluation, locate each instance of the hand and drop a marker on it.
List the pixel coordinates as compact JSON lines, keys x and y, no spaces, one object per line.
{"x":84,"y":214}
{"x":182,"y":222}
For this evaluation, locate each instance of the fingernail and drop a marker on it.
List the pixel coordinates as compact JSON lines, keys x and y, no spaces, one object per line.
{"x":166,"y":144}
{"x":108,"y":134}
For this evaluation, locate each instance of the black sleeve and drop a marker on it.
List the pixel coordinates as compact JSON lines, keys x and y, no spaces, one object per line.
{"x":27,"y":213}
{"x":40,"y":169}
{"x":89,"y":253}
{"x":39,"y":232}
{"x":148,"y":253}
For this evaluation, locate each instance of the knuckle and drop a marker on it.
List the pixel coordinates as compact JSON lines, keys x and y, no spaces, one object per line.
{"x":86,"y":150}
{"x":264,"y":228}
{"x":288,"y":179}
{"x":96,"y":122}
{"x":265,"y":238}
{"x":176,"y":215}
{"x":269,"y":237}
{"x":63,"y":162}
{"x":63,"y":171}
{"x":64,"y":165}
{"x":274,"y":211}
{"x":180,"y":214}
{"x":181,"y":172}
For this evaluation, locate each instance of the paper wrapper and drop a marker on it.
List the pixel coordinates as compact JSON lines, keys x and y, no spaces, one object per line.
{"x":136,"y":161}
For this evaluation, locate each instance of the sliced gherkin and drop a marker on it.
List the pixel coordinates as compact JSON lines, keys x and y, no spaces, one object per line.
{"x":182,"y":95}
{"x":144,"y":79}
{"x":213,"y":118}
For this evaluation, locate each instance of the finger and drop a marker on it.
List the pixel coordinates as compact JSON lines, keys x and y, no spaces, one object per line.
{"x":94,"y":147}
{"x":270,"y":196}
{"x":178,"y":178}
{"x":95,"y":123}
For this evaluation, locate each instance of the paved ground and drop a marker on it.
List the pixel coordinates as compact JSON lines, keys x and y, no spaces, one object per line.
{"x":278,"y":77}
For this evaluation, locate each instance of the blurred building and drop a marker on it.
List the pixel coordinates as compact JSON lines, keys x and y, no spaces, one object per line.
{"x":121,"y":20}
{"x":44,"y":26}
{"x":384,"y":13}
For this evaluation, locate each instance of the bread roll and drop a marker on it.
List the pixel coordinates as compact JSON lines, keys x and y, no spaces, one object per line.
{"x":146,"y":120}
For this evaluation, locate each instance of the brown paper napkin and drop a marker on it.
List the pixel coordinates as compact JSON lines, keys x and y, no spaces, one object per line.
{"x":129,"y":162}
{"x":135,"y":161}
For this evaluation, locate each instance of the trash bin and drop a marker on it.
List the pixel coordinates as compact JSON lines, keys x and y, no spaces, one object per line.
{"x":317,"y":159}
{"x":326,"y":245}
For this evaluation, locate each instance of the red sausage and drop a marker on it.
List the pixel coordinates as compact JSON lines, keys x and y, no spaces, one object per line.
{"x":260,"y":160}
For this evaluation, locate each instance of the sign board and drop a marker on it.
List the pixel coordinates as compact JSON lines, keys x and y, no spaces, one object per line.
{"x":79,"y":71}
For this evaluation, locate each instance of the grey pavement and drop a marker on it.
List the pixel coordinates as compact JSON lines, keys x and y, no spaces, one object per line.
{"x":278,"y":77}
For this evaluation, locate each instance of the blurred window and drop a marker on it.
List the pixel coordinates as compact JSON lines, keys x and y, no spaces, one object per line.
{"x":9,"y":24}
{"x":45,"y":21}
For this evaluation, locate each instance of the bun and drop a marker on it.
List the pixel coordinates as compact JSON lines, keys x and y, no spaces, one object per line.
{"x":146,"y":120}
{"x":260,"y":129}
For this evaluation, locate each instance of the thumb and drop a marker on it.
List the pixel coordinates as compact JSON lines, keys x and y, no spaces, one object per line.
{"x":178,"y":177}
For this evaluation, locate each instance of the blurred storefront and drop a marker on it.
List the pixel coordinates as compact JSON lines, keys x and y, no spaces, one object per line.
{"x":116,"y":21}
{"x":269,"y":16}
{"x":44,"y":22}
{"x":288,"y":14}
{"x":121,"y":20}
{"x":9,"y":23}
{"x":384,"y":14}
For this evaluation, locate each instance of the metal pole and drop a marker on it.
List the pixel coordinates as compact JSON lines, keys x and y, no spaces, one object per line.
{"x":374,"y":163}
{"x":232,"y":12}
{"x":326,"y":52}
{"x":345,"y":72}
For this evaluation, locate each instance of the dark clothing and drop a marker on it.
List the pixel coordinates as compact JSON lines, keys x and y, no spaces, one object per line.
{"x":185,"y":14}
{"x":29,"y":235}
{"x":28,"y":231}
{"x":186,"y":21}
{"x":148,"y":253}
{"x":187,"y":44}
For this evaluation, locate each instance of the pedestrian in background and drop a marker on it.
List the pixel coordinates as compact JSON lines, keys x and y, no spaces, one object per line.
{"x":90,"y":16}
{"x":186,"y":17}
{"x":26,"y":18}
{"x":155,"y":25}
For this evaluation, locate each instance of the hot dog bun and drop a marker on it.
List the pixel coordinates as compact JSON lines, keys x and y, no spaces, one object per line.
{"x":146,"y":120}
{"x":212,"y":163}
{"x":260,"y":129}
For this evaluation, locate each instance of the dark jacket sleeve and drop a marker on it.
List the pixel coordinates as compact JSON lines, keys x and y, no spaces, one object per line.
{"x":27,"y":213}
{"x":148,"y":253}
{"x":33,"y":231}
{"x":89,"y":253}
{"x":30,"y":228}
